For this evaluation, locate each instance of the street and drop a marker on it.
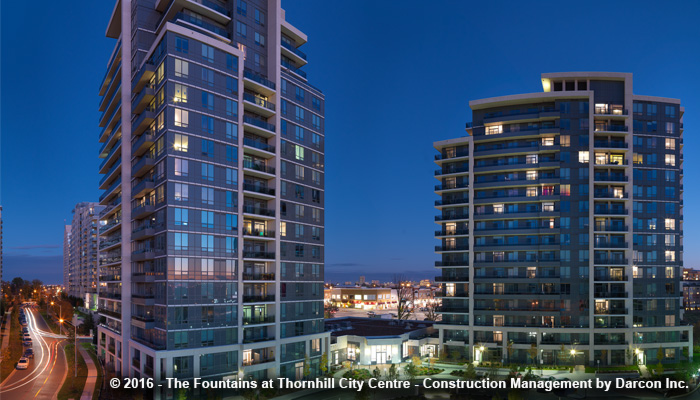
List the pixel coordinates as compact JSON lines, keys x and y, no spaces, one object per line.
{"x":47,"y":369}
{"x":357,"y":312}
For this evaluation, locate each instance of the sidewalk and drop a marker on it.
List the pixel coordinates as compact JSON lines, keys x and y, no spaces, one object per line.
{"x":91,"y":375}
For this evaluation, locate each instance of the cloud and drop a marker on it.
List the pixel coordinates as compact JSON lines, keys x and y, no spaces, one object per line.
{"x":48,"y":269}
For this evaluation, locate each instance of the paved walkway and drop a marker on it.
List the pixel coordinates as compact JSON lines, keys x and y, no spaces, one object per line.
{"x":91,"y":375}
{"x":644,"y":371}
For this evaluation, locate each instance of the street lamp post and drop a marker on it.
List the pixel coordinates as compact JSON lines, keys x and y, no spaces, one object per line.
{"x":75,"y":345}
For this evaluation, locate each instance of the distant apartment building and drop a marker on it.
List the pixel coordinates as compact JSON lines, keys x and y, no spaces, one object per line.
{"x":690,"y":274}
{"x":1,"y":250}
{"x":66,"y":255}
{"x":362,"y":280}
{"x":561,"y":225}
{"x":691,"y":295}
{"x":80,"y":251}
{"x":365,"y":298}
{"x":213,"y":181}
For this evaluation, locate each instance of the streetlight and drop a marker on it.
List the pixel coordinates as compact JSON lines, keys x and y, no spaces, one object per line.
{"x":75,"y":345}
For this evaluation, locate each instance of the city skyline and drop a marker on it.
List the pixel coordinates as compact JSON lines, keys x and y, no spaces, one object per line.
{"x":421,"y":108}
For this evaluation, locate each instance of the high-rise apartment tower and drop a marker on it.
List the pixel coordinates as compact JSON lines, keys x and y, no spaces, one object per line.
{"x":561,"y":226}
{"x":213,"y":162}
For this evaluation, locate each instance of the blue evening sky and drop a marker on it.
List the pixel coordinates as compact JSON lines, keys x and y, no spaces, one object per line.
{"x":397,"y":76}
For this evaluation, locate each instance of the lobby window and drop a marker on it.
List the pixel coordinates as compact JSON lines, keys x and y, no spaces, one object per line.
{"x":181,"y":143}
{"x":182,"y":118}
{"x":494,"y":129}
{"x":182,"y":68}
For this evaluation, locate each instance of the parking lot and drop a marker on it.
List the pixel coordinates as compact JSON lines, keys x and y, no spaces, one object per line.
{"x":356,"y":312}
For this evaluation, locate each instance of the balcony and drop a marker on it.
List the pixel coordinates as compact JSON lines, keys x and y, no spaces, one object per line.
{"x":258,"y":126}
{"x":258,"y":83}
{"x":111,"y":156}
{"x":452,"y":279}
{"x":611,"y":227}
{"x":258,"y":168}
{"x":142,"y":122}
{"x":108,"y":226}
{"x":610,"y":110}
{"x":111,"y":190}
{"x":604,"y":244}
{"x":259,"y":233}
{"x":261,"y":148}
{"x":610,"y":261}
{"x":260,"y":189}
{"x":210,"y":25}
{"x":143,"y":100}
{"x":610,"y":178}
{"x":610,"y":211}
{"x":265,"y":276}
{"x":454,"y":263}
{"x":458,"y":186}
{"x":293,"y":69}
{"x":143,"y":77}
{"x":142,"y":187}
{"x":143,"y":254}
{"x":609,"y":311}
{"x":452,"y":232}
{"x":258,"y":105}
{"x":293,"y":53}
{"x":610,"y":128}
{"x":111,"y":313}
{"x":448,"y":202}
{"x":452,"y":155}
{"x":265,"y":212}
{"x":610,"y":295}
{"x":142,"y":166}
{"x":447,"y":170}
{"x":609,"y":194}
{"x":260,"y":255}
{"x":610,"y":278}
{"x":213,"y":10}
{"x":106,"y":244}
{"x":112,"y":66}
{"x":606,"y":144}
{"x":256,"y":320}
{"x":143,"y":209}
{"x":441,"y":249}
{"x":267,"y":298}
{"x":110,"y":175}
{"x":451,"y":217}
{"x":142,"y":144}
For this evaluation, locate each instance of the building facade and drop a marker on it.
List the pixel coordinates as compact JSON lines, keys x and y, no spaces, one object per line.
{"x":213,"y":148}
{"x":66,"y":256}
{"x":561,"y":226}
{"x":80,"y":251}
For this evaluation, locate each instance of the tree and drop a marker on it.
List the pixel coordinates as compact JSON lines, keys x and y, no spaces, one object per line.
{"x":307,"y":367}
{"x":411,"y":371}
{"x":88,"y":324}
{"x":404,"y":293}
{"x":416,"y":361}
{"x":431,"y":313}
{"x":533,"y":352}
{"x":324,"y":363}
{"x":509,"y":350}
{"x":660,"y":354}
{"x":470,"y":372}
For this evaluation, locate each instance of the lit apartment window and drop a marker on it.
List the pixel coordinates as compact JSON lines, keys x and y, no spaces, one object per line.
{"x":494,"y":129}
{"x":670,"y":321}
{"x":450,"y":152}
{"x":547,"y":190}
{"x":450,"y":228}
{"x":670,"y":127}
{"x":531,"y":192}
{"x":498,"y":208}
{"x":548,"y":141}
{"x":182,"y":68}
{"x":531,"y":175}
{"x":565,"y":140}
{"x":669,"y":270}
{"x":531,"y":159}
{"x":670,"y":160}
{"x":531,"y":272}
{"x":601,"y":108}
{"x":669,"y":256}
{"x":450,"y":289}
{"x":670,"y":144}
{"x":670,"y":240}
{"x":181,"y":143}
{"x":583,"y":156}
{"x":182,"y":118}
{"x":450,"y":183}
{"x":670,"y":224}
{"x":497,"y":335}
{"x":565,"y":190}
{"x":497,"y":288}
{"x":548,"y":207}
{"x":180,"y":93}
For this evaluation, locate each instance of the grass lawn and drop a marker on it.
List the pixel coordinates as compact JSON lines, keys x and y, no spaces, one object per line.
{"x":53,"y":325}
{"x":627,"y":368}
{"x":73,"y":387}
{"x":98,"y":384}
{"x":15,"y":348}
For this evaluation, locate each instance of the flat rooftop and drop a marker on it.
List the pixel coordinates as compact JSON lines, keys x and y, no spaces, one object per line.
{"x":373,"y":327}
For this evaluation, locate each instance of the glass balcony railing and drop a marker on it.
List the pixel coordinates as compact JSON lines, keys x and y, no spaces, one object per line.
{"x":249,"y":74}
{"x":293,"y":49}
{"x":258,"y":122}
{"x":257,"y":100}
{"x":258,"y":145}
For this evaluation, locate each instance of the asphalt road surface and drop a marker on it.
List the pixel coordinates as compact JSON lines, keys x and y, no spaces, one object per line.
{"x":47,"y":369}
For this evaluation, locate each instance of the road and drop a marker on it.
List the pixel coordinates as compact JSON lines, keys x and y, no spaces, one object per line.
{"x":47,"y":369}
